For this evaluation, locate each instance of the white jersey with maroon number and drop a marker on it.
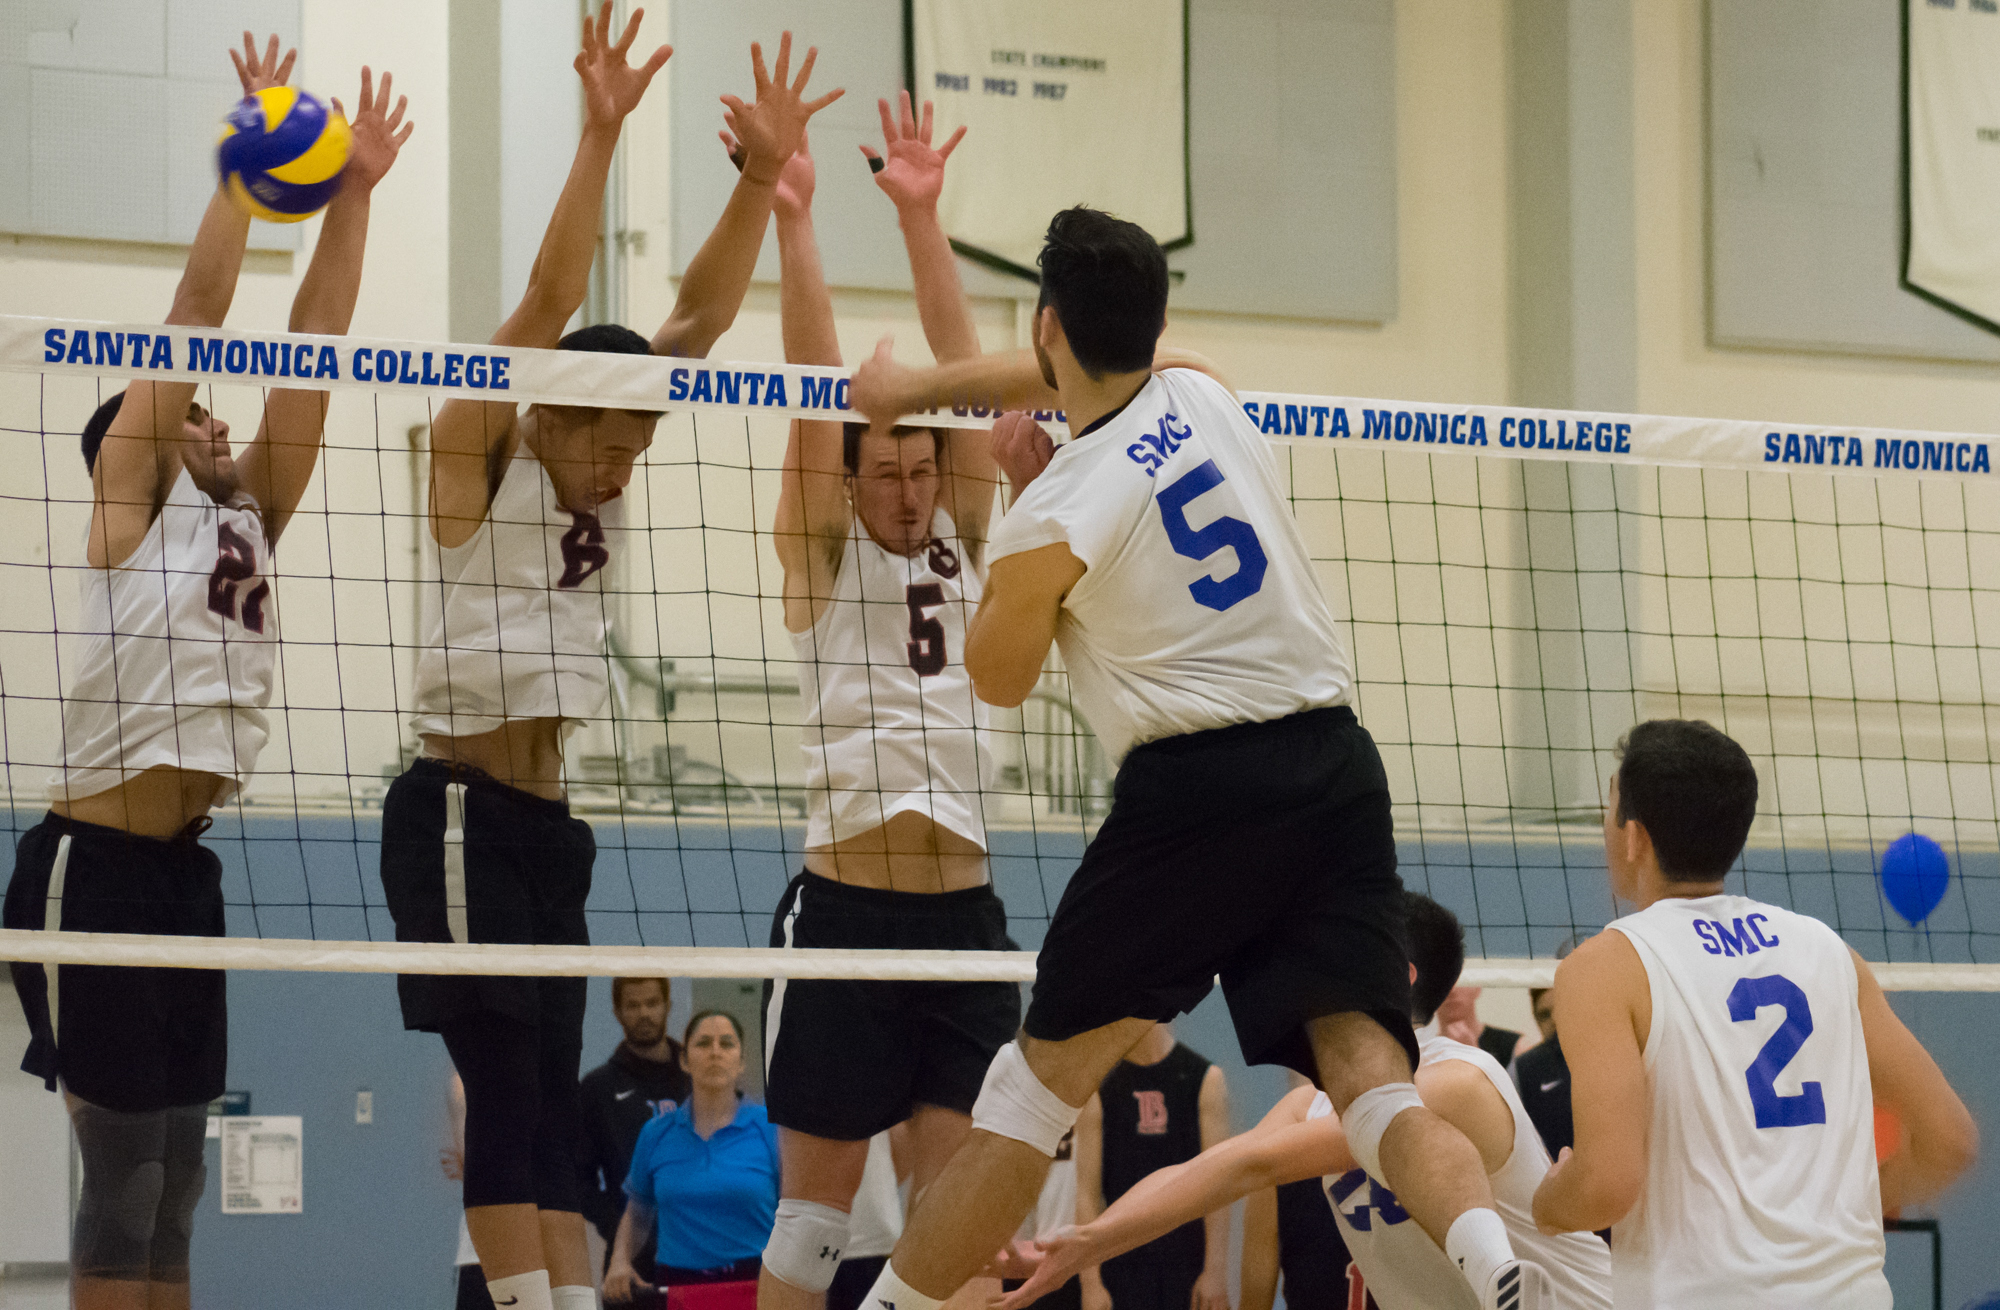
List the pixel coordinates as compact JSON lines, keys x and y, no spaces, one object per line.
{"x":174,"y":653}
{"x":1761,"y":1186}
{"x":1199,"y":607}
{"x":518,"y":626}
{"x":1405,"y":1270}
{"x":891,"y":724}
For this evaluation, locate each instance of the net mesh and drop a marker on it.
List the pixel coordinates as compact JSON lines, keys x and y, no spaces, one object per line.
{"x":1508,"y":619}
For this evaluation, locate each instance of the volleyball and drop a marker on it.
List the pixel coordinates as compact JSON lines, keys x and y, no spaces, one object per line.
{"x":281,"y":154}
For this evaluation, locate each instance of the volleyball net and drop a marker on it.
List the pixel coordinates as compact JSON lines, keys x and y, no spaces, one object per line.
{"x":1517,"y":588}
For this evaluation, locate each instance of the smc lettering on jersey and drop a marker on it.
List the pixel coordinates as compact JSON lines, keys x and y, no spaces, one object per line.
{"x":1744,"y":936}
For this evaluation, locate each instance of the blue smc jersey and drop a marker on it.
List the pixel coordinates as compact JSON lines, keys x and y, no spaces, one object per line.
{"x":716,"y":1199}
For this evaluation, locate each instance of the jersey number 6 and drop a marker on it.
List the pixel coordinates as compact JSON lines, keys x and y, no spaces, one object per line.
{"x":926,"y":645}
{"x":1808,"y":1106}
{"x":1200,"y":543}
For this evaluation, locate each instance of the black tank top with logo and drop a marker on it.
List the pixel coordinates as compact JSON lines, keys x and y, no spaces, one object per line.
{"x":1152,"y":1119}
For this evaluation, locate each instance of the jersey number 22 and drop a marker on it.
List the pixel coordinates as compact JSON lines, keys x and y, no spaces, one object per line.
{"x":1200,"y":543}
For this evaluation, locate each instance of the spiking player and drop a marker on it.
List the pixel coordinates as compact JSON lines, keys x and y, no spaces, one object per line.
{"x":1401,"y":1267}
{"x":478,"y":842}
{"x":882,"y":534}
{"x":1250,"y":830}
{"x":164,"y":720}
{"x":1725,"y":1060}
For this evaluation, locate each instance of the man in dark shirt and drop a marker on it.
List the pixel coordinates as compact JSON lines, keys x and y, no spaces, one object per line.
{"x":1162,"y":1105}
{"x":644,"y":1077}
{"x":1543,"y":1076}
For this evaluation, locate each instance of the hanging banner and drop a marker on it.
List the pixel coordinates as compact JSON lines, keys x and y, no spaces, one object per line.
{"x":1065,"y":104}
{"x":1951,"y":128}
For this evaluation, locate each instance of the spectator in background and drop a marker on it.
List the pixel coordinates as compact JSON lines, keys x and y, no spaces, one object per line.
{"x":1162,"y":1105}
{"x":1289,"y":1229}
{"x":1542,"y":1074}
{"x":643,"y":1078}
{"x":704,"y":1177}
{"x":1458,"y":1018}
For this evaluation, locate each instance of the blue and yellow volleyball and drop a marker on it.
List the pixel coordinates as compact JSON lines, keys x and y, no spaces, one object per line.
{"x":281,"y":154}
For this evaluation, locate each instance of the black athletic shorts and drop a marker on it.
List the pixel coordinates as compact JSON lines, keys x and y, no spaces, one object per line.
{"x":852,"y":1058}
{"x":515,"y":868}
{"x":1262,"y":852}
{"x":130,"y":1039}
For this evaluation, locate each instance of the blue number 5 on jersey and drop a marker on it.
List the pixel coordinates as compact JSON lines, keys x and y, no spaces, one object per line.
{"x":1200,"y":543}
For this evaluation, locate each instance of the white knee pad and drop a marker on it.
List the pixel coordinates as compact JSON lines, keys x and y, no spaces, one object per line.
{"x":805,"y":1244}
{"x":1368,"y":1117}
{"x":1014,"y":1103}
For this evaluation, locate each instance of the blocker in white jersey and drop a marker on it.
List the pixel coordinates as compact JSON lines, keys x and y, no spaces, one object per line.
{"x":1760,"y":1138}
{"x":1405,"y":1270}
{"x":175,"y":650}
{"x":891,"y":724}
{"x":1199,"y":607}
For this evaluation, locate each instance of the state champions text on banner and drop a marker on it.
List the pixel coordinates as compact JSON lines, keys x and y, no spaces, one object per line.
{"x":564,"y":377}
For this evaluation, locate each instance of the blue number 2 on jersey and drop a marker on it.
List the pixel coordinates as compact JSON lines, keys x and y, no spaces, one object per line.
{"x":1199,"y":544}
{"x":1774,"y":1111}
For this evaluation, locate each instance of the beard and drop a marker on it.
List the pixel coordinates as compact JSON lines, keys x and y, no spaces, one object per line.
{"x":645,"y":1034}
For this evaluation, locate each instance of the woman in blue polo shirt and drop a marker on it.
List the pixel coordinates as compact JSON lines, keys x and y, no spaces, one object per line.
{"x":706,"y":1175}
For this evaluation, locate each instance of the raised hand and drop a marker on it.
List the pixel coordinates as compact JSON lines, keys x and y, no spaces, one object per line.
{"x":795,"y":182}
{"x":773,"y":129}
{"x":912,"y":175}
{"x":376,"y":138}
{"x":1021,"y":447}
{"x":255,"y":73}
{"x":880,"y":385}
{"x":612,"y":88}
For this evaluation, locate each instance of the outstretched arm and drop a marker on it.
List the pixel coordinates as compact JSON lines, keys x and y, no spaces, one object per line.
{"x":280,"y":461}
{"x":1284,"y":1148}
{"x":886,"y":391}
{"x":141,"y":453}
{"x":771,"y":130}
{"x":813,"y":511}
{"x":466,"y":435}
{"x":1942,"y":1141}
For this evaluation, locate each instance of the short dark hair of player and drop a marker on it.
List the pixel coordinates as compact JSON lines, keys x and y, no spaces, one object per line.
{"x":618,"y":986}
{"x":1695,"y":790}
{"x":687,"y":1033}
{"x":1437,"y":947}
{"x":611,"y":339}
{"x":850,"y":442}
{"x":1107,"y":280}
{"x":99,"y":424}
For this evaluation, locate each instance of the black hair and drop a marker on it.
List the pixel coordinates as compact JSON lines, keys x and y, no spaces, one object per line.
{"x":1107,"y":280}
{"x":687,"y":1033}
{"x":1695,"y":791}
{"x":1436,"y":941}
{"x":611,"y":339}
{"x":618,"y":986}
{"x":99,"y":424}
{"x":851,"y":434}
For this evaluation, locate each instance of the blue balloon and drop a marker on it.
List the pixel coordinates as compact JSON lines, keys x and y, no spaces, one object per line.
{"x":1914,"y":875}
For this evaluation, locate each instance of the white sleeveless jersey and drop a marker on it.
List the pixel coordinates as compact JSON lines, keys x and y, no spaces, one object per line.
{"x":1761,"y":1187}
{"x":1405,"y":1270}
{"x":517,"y":626}
{"x":891,"y":724}
{"x":1199,"y":607}
{"x":177,"y":645}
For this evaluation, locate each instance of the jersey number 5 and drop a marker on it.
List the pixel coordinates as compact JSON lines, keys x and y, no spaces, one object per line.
{"x":1750,"y":995}
{"x":236,"y":563}
{"x":926,"y":645}
{"x":1200,"y":543}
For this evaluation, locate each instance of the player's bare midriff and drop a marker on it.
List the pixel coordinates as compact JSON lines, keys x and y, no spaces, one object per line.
{"x":910,"y":853}
{"x":157,"y":802}
{"x":522,"y":753}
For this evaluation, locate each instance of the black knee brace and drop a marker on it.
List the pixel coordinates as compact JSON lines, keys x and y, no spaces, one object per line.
{"x":496,"y":1058}
{"x":142,"y":1178}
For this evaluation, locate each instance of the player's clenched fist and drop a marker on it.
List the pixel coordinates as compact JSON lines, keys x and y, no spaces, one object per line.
{"x":1022,"y":448}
